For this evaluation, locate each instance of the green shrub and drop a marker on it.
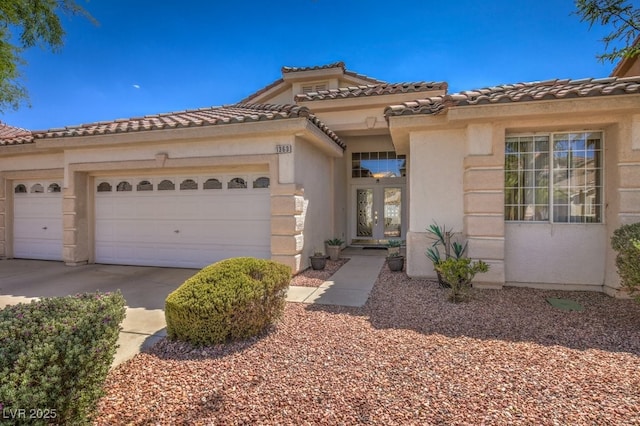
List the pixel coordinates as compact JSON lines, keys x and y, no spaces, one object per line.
{"x":55,"y":355}
{"x":458,"y":274}
{"x":229,"y":300}
{"x":628,"y":258}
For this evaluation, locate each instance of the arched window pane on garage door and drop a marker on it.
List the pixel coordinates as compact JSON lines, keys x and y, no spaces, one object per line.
{"x":188,"y":184}
{"x":54,"y":187}
{"x":261,"y":182}
{"x":237,"y":183}
{"x":124,"y":186}
{"x":166,"y":185}
{"x":104,"y":187}
{"x":37,"y":188}
{"x":20,"y":189}
{"x":144,"y":185}
{"x":212,"y":184}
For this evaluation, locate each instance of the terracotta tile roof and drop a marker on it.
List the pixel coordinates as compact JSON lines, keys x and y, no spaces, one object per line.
{"x":229,"y":114}
{"x":286,"y":70}
{"x":520,"y":92}
{"x":338,"y":64}
{"x":371,"y":90}
{"x":10,"y":135}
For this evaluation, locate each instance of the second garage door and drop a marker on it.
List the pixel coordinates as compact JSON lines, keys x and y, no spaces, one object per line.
{"x":181,"y":221}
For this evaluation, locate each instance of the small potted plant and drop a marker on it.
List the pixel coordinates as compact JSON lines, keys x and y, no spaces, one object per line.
{"x":395,"y":262}
{"x":318,"y":260}
{"x":394,"y":259}
{"x":393,"y":247}
{"x":333,"y":248}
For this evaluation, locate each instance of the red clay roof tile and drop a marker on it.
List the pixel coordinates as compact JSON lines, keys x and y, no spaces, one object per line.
{"x":238,"y":113}
{"x":371,"y":90}
{"x":10,"y":135}
{"x":520,"y":92}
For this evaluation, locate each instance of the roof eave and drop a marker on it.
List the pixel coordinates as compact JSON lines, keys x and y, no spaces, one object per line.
{"x":208,"y":132}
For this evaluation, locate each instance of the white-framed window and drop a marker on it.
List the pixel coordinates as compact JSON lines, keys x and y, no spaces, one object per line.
{"x":124,"y":186}
{"x":189,"y":185}
{"x":237,"y":183}
{"x":212,"y":183}
{"x":554,"y":177}
{"x":261,"y":182}
{"x":104,"y":187}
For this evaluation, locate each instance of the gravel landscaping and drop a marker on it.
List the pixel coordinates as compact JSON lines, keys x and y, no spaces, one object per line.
{"x":409,"y":356}
{"x":312,"y":278}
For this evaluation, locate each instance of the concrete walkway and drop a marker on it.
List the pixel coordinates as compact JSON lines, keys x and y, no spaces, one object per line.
{"x":349,"y":286}
{"x":146,"y":288}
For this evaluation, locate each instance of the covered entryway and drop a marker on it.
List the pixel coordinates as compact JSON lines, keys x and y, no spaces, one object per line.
{"x":181,"y":221}
{"x":37,"y":220}
{"x":377,"y":197}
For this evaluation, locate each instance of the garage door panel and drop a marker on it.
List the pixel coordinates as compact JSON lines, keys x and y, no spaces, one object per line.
{"x":191,"y":228}
{"x":37,"y":224}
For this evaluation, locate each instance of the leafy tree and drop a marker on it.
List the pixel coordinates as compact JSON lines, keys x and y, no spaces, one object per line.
{"x":622,"y":16}
{"x":25,"y":24}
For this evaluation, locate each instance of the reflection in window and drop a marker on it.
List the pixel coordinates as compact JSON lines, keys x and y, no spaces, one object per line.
{"x":20,"y":189}
{"x":212,"y":184}
{"x":237,"y":183}
{"x":144,"y":185}
{"x":124,"y":186}
{"x":188,"y":184}
{"x":37,"y":188}
{"x":54,"y":187}
{"x":556,"y":178}
{"x":378,"y":165}
{"x":261,"y":182}
{"x":104,"y":187}
{"x":166,"y":185}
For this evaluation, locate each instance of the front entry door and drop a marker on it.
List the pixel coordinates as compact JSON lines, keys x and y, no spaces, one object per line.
{"x":378,"y":213}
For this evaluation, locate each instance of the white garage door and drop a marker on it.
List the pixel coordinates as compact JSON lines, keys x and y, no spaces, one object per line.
{"x":181,"y":221}
{"x":37,"y":220}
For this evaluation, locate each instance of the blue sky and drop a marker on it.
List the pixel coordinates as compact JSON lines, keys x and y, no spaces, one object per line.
{"x":150,"y":56}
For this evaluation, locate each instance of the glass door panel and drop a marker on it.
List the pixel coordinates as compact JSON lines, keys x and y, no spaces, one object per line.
{"x":392,"y":213}
{"x":364,"y":200}
{"x":378,"y":214}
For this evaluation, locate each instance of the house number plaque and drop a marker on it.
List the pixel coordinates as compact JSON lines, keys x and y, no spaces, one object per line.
{"x":284,"y":149}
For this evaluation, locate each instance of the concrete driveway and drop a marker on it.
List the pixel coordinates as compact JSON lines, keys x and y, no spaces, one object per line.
{"x":144,"y":289}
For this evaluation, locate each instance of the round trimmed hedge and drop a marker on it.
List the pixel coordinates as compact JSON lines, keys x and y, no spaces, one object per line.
{"x":229,"y":300}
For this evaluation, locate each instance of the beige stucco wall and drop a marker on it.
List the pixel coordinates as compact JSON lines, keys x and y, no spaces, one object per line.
{"x":435,"y":191}
{"x":563,"y":256}
{"x":340,"y":196}
{"x":549,"y":255}
{"x":314,"y":173}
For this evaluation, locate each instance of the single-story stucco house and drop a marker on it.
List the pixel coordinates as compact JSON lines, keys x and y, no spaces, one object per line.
{"x":536,"y":176}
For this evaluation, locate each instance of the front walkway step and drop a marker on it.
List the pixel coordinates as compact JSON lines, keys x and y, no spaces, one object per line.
{"x":349,"y":286}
